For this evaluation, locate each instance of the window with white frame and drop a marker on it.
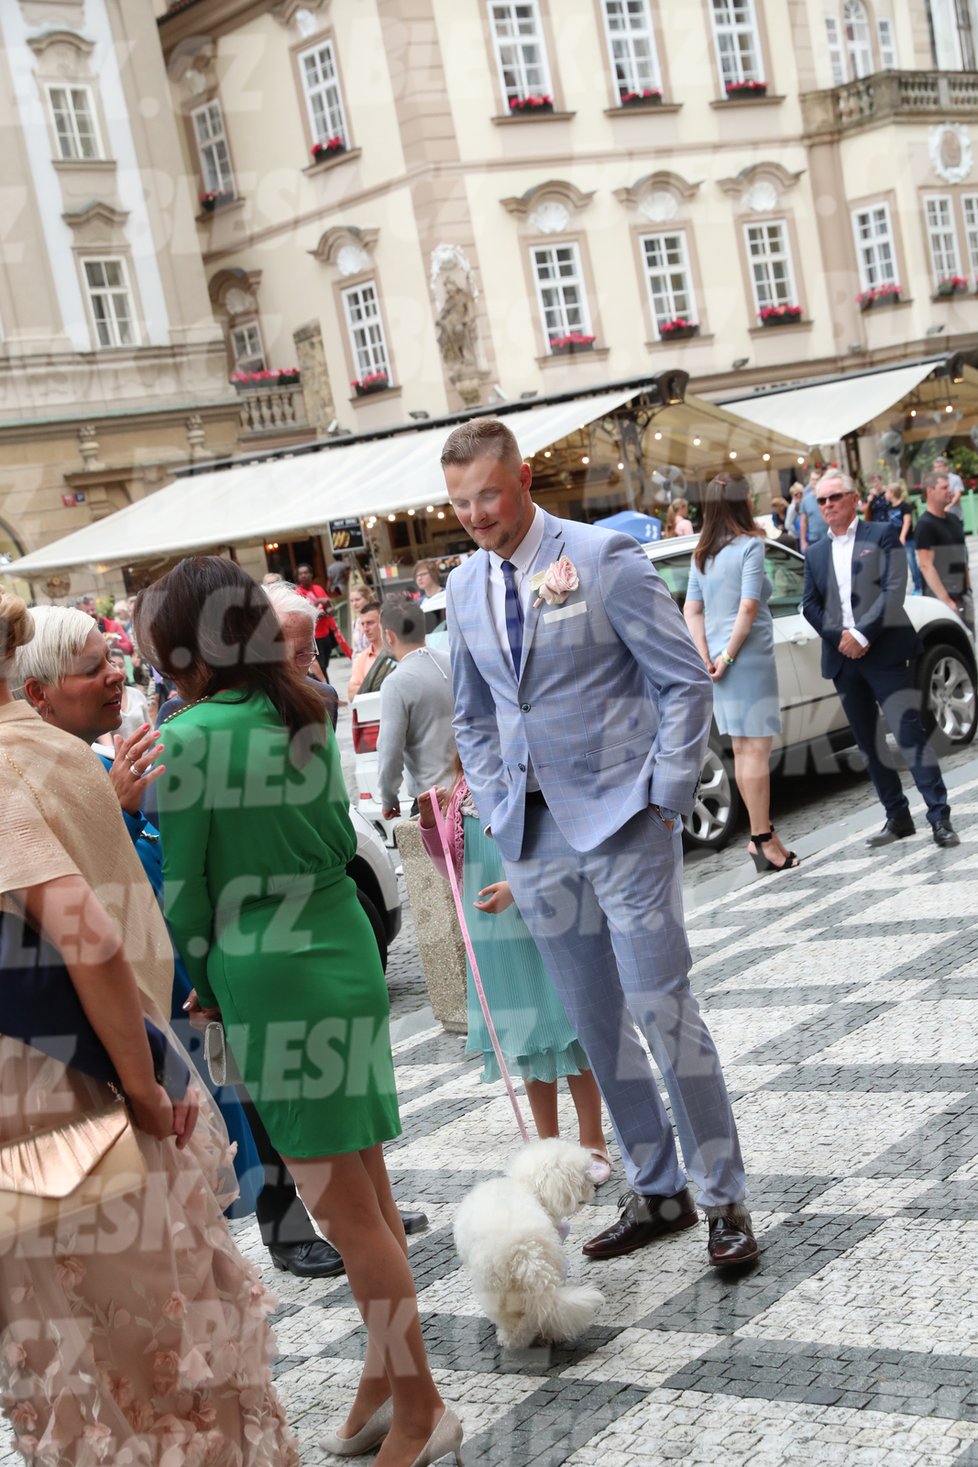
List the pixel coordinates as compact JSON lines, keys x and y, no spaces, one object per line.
{"x":212,"y":149}
{"x":631,"y":41}
{"x":560,"y":290}
{"x":887,"y":39}
{"x":769,"y":256}
{"x":837,"y":60}
{"x":521,"y":53}
{"x":969,"y":203}
{"x":247,"y":350}
{"x":73,"y":111}
{"x":942,"y":237}
{"x":668,"y":276}
{"x":366,"y":330}
{"x":111,"y":303}
{"x":737,"y":41}
{"x":875,"y":246}
{"x":321,"y":84}
{"x":859,"y":43}
{"x":953,"y":26}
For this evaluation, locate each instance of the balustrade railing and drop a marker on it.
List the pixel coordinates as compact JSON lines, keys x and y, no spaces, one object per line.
{"x":271,"y":409}
{"x":891,"y":94}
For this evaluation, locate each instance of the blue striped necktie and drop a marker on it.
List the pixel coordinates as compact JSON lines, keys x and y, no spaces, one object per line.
{"x":514,"y":615}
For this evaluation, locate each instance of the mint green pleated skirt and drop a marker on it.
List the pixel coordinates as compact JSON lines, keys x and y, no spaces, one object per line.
{"x":534,"y":1032}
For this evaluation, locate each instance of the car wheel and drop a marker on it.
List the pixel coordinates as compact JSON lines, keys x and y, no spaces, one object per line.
{"x":950,"y":698}
{"x":373,"y":917}
{"x":717,"y":807}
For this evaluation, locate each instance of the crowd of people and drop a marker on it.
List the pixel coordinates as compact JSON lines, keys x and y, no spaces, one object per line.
{"x":174,"y":882}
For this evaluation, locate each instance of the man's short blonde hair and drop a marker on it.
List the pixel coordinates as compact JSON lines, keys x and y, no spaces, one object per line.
{"x":481,"y":438}
{"x":841,"y":478}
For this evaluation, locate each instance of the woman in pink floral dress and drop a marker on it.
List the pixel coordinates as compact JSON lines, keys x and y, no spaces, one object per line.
{"x":135,"y":1334}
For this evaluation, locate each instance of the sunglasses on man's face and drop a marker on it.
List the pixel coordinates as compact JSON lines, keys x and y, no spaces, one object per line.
{"x":830,"y":498}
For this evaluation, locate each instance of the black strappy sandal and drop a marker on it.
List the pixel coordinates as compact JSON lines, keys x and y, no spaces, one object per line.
{"x":760,"y":859}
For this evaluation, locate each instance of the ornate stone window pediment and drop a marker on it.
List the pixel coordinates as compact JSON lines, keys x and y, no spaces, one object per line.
{"x":66,"y":45}
{"x":347,"y":248}
{"x":98,"y":223}
{"x":305,"y":17}
{"x":235,"y":291}
{"x":193,"y":68}
{"x":548,"y":207}
{"x":658,"y":196}
{"x":759,"y":187}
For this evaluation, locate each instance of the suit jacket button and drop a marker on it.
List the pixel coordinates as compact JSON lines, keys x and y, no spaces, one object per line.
{"x":524,"y":707}
{"x":521,"y":768}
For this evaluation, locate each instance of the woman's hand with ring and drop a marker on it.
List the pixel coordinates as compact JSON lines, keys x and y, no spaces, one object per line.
{"x":132,"y":769}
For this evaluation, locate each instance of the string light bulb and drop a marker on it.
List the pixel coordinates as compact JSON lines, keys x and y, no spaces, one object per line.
{"x":657,"y":436}
{"x":733,"y":453}
{"x":697,"y":442}
{"x":441,"y":514}
{"x":766,"y":457}
{"x":585,"y":460}
{"x":391,"y":518}
{"x":430,"y":508}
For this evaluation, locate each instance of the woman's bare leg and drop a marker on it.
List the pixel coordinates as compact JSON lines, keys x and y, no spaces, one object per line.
{"x":349,"y":1196}
{"x":752,"y":771}
{"x":587,"y":1102}
{"x":542,"y":1095}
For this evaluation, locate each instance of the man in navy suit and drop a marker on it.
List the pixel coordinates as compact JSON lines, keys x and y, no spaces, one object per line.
{"x":855,"y":584}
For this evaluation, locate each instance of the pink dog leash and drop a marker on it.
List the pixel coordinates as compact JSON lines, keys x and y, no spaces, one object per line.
{"x":483,"y":1002}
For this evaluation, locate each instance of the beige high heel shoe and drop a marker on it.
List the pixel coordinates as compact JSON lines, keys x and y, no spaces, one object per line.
{"x":446,"y":1437}
{"x":370,"y":1435}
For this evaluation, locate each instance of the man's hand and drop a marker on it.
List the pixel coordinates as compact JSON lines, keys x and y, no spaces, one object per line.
{"x":424,"y":807}
{"x":667,"y":823}
{"x":850,"y":646}
{"x":394,"y":812}
{"x":132,"y":769}
{"x":497,"y":898}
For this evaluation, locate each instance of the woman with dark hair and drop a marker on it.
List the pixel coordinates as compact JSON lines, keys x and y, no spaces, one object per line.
{"x":257,"y":838}
{"x":727,"y":614}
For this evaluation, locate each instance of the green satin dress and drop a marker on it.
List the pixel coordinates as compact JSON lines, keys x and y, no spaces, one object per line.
{"x":270,"y":926}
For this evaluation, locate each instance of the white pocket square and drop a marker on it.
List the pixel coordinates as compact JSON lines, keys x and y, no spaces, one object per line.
{"x":561,"y":613}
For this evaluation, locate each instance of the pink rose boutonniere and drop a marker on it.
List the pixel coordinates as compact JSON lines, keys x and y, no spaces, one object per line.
{"x":558,"y":581}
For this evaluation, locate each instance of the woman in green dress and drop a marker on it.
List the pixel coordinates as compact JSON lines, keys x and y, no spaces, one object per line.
{"x":257,"y":837}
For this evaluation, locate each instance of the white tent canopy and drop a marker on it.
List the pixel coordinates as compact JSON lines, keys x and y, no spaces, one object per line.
{"x":826,"y":411}
{"x":295,"y":495}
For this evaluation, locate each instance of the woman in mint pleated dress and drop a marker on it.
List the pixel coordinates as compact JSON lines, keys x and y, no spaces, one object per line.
{"x":256,"y":839}
{"x":531,"y":1025}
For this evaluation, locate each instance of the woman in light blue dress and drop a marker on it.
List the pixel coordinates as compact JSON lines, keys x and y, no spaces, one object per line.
{"x":727,"y":614}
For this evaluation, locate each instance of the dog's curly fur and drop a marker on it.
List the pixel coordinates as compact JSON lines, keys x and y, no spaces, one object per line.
{"x":506,"y":1233}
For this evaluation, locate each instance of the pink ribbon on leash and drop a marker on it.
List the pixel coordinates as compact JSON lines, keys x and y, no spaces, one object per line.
{"x":442,"y":829}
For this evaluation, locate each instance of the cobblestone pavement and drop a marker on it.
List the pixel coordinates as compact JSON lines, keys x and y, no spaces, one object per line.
{"x":844,"y":1001}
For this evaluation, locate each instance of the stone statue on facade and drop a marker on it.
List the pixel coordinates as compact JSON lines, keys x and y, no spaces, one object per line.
{"x":455,"y":291}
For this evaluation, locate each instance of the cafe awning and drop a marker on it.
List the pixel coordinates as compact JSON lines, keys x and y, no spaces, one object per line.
{"x":824,"y":412}
{"x":296,"y":493}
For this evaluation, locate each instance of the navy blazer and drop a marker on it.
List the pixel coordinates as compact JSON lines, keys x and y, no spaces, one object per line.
{"x":879,"y":586}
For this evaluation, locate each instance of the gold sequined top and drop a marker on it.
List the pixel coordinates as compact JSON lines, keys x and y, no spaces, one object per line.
{"x":59,"y":816}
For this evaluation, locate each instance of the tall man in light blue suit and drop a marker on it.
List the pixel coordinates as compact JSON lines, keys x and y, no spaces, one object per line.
{"x":581,"y":724}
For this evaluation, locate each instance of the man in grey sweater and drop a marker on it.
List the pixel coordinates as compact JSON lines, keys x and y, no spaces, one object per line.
{"x":416,"y":709}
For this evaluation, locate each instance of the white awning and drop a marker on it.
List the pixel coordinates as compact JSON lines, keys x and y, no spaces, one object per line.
{"x":826,"y":411}
{"x":283,"y":497}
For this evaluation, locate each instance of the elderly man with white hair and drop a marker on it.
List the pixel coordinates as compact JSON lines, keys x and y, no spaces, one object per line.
{"x":297,"y":618}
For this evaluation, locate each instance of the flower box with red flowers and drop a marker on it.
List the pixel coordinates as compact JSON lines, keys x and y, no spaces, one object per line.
{"x":328,"y":148}
{"x":278,"y":377}
{"x":648,"y":97}
{"x":740,"y":91}
{"x":878,"y":295}
{"x":574,"y":341}
{"x":778,"y":315}
{"x":535,"y":102}
{"x":373,"y":382}
{"x":952,"y":285}
{"x":210,"y":202}
{"x":677,"y":329}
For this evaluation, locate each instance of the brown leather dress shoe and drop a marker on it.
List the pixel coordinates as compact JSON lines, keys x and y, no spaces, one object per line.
{"x":731,"y":1242}
{"x":642,"y":1220}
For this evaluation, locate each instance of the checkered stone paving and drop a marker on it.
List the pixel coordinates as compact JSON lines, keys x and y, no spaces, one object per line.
{"x":844,"y":1001}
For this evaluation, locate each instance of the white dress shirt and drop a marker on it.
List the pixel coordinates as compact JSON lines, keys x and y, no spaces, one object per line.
{"x":522,"y":560}
{"x":843,"y":547}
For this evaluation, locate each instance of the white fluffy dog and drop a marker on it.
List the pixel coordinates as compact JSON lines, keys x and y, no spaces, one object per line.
{"x":507,"y":1233}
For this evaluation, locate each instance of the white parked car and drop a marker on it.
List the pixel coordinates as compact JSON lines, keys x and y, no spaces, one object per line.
{"x":366,"y":729}
{"x":814,"y":726}
{"x":373,"y":873}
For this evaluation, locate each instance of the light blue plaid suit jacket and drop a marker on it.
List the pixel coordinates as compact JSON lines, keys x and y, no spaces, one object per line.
{"x":612,"y":705}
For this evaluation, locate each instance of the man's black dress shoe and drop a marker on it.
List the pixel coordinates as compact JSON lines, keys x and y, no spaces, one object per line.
{"x":642,"y":1220}
{"x":731,"y":1242}
{"x":943,"y":834}
{"x":893,"y":830}
{"x":414,"y":1222}
{"x":314,"y":1259}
